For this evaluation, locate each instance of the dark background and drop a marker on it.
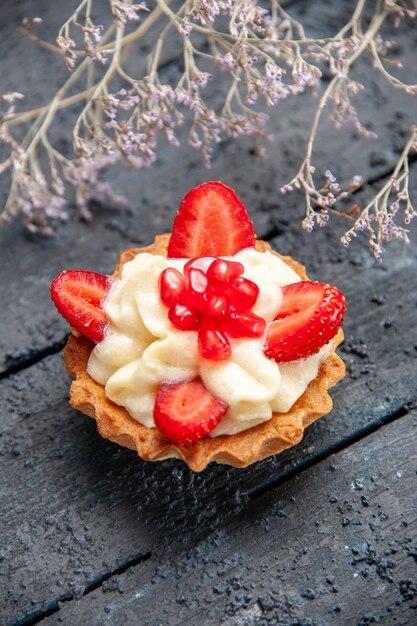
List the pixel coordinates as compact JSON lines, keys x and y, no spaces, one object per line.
{"x":321,"y":534}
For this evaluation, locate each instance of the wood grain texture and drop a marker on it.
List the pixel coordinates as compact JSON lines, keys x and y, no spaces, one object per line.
{"x":76,"y":507}
{"x":336,"y":545}
{"x":77,"y":510}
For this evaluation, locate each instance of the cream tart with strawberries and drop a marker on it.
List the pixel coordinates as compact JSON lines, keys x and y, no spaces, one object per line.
{"x":205,"y":346}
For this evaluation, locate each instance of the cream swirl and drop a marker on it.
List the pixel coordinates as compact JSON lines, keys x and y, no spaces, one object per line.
{"x":142,"y":348}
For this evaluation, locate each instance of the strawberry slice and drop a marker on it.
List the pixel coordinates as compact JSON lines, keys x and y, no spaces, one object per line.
{"x":79,"y":296}
{"x":211,"y":221}
{"x":310,"y":316}
{"x":185,"y":412}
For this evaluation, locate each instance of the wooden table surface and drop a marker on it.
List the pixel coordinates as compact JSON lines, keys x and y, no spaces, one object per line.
{"x":324,"y":533}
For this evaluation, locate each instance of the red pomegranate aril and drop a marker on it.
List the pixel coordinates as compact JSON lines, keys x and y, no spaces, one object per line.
{"x":196,"y":286}
{"x":172,"y":286}
{"x":184,"y":317}
{"x":244,"y":324}
{"x":243,"y":292}
{"x":199,"y":263}
{"x":217,"y":308}
{"x":221,"y":272}
{"x":213,"y":297}
{"x":213,"y":344}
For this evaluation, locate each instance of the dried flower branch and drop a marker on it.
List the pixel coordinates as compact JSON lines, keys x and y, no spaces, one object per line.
{"x":320,"y":202}
{"x":267,"y":57}
{"x":377,"y":218}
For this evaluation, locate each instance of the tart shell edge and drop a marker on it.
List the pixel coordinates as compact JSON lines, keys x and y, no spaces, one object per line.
{"x":282,"y":431}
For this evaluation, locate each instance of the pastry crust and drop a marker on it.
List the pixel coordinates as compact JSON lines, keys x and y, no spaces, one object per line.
{"x":282,"y":431}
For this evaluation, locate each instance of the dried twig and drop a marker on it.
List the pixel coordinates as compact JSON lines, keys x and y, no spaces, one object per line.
{"x":268,"y":58}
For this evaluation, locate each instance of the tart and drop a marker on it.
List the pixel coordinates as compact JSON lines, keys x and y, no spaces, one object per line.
{"x":207,"y":297}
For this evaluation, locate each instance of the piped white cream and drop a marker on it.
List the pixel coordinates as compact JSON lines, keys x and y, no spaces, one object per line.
{"x":142,"y":348}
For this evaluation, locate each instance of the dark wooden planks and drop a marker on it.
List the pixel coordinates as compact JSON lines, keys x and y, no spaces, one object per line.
{"x":30,"y":324}
{"x":64,"y":507}
{"x":77,"y":507}
{"x":334,"y":545}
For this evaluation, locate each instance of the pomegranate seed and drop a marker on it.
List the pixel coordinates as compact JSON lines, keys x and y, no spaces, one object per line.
{"x":222,"y":272}
{"x":217,"y":308}
{"x":172,"y":286}
{"x":243,"y":292}
{"x":184,"y":317}
{"x":196,"y":285}
{"x":214,"y":298}
{"x":213,"y":344}
{"x":199,"y":263}
{"x":244,"y":324}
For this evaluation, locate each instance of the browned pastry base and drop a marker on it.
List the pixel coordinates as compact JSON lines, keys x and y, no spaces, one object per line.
{"x":282,"y":431}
